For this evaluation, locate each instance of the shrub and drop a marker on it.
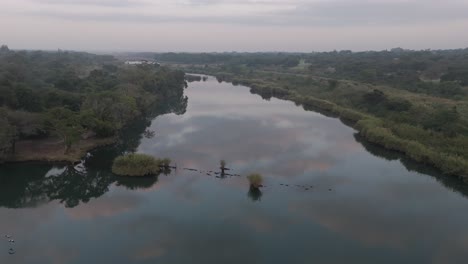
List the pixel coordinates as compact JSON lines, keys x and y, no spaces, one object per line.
{"x":165,"y":163}
{"x":136,"y":165}
{"x":255,"y":180}
{"x":332,"y":84}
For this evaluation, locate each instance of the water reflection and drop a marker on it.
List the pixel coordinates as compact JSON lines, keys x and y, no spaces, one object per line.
{"x":33,"y":184}
{"x":381,"y":208}
{"x":22,"y":187}
{"x":142,"y":182}
{"x":449,"y":182}
{"x":255,"y":194}
{"x":74,"y":186}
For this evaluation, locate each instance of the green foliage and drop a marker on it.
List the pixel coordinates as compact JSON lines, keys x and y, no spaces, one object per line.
{"x":415,"y":71}
{"x":28,"y":125}
{"x":56,"y":98}
{"x":104,"y":128}
{"x":375,"y":131}
{"x":90,"y":122}
{"x":375,"y":97}
{"x":255,"y":180}
{"x":332,"y":84}
{"x":136,"y":165}
{"x":28,"y":99}
{"x":233,"y":60}
{"x":458,"y":74}
{"x":68,"y":93}
{"x":65,"y":123}
{"x":8,"y":97}
{"x":166,"y":163}
{"x":7,"y":136}
{"x":193,"y":78}
{"x":442,"y":120}
{"x":397,"y":104}
{"x":111,"y":107}
{"x":222,"y":164}
{"x":310,"y":103}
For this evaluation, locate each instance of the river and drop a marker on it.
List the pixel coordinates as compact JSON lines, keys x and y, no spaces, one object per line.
{"x":329,"y":197}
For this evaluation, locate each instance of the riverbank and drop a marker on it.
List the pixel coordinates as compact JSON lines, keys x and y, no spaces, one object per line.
{"x":53,"y":150}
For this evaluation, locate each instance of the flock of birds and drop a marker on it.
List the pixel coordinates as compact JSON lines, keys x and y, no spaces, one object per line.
{"x":11,"y":241}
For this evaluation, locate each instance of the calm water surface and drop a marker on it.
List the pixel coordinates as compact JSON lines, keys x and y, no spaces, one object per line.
{"x":329,"y":197}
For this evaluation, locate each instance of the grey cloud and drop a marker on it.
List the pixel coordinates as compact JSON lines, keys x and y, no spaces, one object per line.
{"x":334,"y":13}
{"x":367,"y":12}
{"x":105,"y":3}
{"x":150,"y":19}
{"x":244,"y":24}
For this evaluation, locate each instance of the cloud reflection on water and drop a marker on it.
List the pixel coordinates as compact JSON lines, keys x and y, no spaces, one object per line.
{"x":292,"y":142}
{"x":361,"y":208}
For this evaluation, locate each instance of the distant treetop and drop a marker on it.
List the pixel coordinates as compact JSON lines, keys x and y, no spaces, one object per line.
{"x":4,"y":48}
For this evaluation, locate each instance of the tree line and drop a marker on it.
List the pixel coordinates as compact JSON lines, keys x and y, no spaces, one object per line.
{"x":442,"y":73}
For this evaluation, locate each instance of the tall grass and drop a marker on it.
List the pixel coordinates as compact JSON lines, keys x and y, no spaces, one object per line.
{"x":255,"y":180}
{"x":138,"y":165}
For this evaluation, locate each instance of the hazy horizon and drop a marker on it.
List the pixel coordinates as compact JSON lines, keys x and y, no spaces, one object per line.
{"x":214,"y":52}
{"x":229,"y":25}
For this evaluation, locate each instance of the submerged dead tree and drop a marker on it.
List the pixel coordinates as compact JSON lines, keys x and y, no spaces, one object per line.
{"x":222,"y":166}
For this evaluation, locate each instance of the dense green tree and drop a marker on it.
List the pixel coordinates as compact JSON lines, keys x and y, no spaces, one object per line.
{"x":332,"y":84}
{"x":7,"y":97}
{"x":65,"y":123}
{"x":7,"y":135}
{"x":28,"y":125}
{"x":65,"y":94}
{"x":374,"y":97}
{"x":459,"y":74}
{"x":4,"y":49}
{"x":28,"y":99}
{"x":111,"y":107}
{"x":69,"y":81}
{"x":443,"y":120}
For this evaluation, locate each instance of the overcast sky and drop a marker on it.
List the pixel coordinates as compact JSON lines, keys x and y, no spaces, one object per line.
{"x":233,"y":25}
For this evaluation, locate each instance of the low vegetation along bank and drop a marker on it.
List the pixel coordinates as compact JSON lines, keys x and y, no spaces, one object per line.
{"x":414,"y":102}
{"x":255,"y":180}
{"x":139,"y":165}
{"x":55,"y":106}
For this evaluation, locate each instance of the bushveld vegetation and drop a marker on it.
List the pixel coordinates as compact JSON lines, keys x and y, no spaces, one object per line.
{"x":222,"y":164}
{"x":192,"y":78}
{"x":138,"y":165}
{"x":255,"y":180}
{"x":414,"y":102}
{"x":74,"y":96}
{"x":165,"y":163}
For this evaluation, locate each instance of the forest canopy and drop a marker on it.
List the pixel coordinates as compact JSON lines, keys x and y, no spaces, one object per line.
{"x":75,"y":95}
